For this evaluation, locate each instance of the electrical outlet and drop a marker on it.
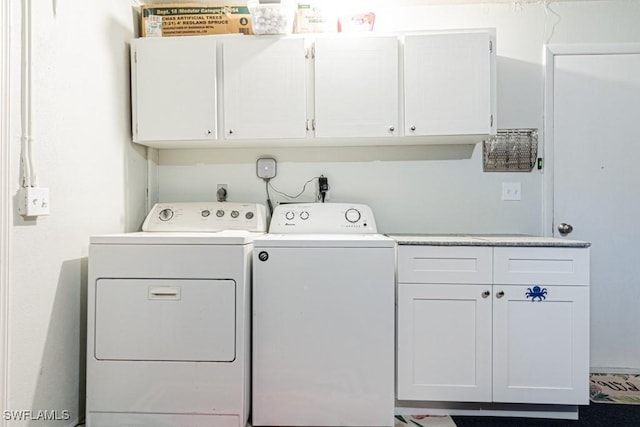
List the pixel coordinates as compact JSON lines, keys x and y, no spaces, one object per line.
{"x":511,"y":191}
{"x":33,"y":201}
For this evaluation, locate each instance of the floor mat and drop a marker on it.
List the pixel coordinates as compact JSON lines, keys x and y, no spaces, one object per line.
{"x":424,"y":421}
{"x":615,"y":388}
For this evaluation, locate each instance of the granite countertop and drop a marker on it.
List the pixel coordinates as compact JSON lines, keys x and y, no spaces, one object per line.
{"x":485,"y":240}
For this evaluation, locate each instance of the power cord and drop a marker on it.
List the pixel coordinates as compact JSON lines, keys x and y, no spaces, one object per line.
{"x":269,"y":204}
{"x":304,"y":187}
{"x":323,"y":187}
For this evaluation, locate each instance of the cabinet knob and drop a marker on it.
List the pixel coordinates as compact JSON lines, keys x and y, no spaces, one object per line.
{"x":230,"y":131}
{"x":485,"y":294}
{"x":413,"y":128}
{"x":392,"y":129}
{"x":208,"y":131}
{"x":500,"y":294}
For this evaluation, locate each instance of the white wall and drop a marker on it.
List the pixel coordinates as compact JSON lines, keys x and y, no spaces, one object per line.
{"x":443,"y":193}
{"x":97,"y":179}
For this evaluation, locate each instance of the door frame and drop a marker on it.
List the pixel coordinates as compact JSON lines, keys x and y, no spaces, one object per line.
{"x":550,"y":53}
{"x":5,"y":196}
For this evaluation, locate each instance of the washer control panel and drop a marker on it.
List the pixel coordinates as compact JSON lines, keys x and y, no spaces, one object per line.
{"x":206,"y":217}
{"x":323,"y":218}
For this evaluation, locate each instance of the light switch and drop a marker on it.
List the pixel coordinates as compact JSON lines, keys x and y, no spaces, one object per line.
{"x":511,"y":191}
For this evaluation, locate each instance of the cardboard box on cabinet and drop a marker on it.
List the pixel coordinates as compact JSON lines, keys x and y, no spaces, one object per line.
{"x":192,"y":19}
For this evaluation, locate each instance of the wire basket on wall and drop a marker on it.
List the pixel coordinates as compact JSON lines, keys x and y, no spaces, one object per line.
{"x":511,"y":150}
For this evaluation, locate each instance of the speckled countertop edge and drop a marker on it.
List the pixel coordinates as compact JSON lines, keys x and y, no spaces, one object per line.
{"x":484,"y":240}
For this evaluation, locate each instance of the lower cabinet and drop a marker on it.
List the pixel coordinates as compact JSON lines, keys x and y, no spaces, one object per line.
{"x":444,"y":343}
{"x":491,"y":341}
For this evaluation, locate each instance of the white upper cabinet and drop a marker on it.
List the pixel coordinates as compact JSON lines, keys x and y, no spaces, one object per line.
{"x":174,"y":89}
{"x":314,"y":90}
{"x":264,"y":88}
{"x":448,"y":84}
{"x":356,"y":86}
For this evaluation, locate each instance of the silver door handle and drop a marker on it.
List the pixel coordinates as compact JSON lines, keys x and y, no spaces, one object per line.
{"x":500,"y":294}
{"x":485,"y":294}
{"x":565,"y":229}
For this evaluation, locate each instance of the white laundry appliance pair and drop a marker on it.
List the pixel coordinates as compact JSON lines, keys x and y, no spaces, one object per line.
{"x":168,"y":317}
{"x":169,"y":322}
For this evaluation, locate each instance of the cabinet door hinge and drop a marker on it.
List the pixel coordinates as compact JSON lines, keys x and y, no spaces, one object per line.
{"x":491,"y":120}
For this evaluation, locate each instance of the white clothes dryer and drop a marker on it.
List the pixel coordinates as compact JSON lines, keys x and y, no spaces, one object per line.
{"x":168,"y":317}
{"x":323,"y":319}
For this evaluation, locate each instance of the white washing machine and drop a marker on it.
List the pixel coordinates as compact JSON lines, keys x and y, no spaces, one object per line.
{"x":323,"y":319}
{"x":168,"y":318}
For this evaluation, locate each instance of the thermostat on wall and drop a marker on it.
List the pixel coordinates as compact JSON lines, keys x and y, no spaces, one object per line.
{"x":266,"y":168}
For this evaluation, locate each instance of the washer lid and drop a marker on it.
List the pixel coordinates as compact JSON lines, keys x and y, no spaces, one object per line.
{"x":226,"y":237}
{"x":323,"y":241}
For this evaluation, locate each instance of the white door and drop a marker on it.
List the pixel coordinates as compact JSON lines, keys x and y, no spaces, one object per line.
{"x":174,"y":88}
{"x":539,"y":339}
{"x":444,"y":342}
{"x":264,"y":88}
{"x":447,"y":86}
{"x":593,"y":112}
{"x":356,"y":86}
{"x":165,"y":320}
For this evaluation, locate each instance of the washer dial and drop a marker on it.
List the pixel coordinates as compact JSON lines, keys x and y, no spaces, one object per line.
{"x":352,"y":215}
{"x":165,"y":214}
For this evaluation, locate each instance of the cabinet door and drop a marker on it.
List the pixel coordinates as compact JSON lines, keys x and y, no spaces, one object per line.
{"x":264,"y":88}
{"x":447,"y":86}
{"x":541,"y":344}
{"x":356,"y":86}
{"x":174,"y":88}
{"x":444,"y":342}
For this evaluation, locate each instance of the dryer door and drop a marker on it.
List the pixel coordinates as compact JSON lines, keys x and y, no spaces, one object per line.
{"x":165,"y":320}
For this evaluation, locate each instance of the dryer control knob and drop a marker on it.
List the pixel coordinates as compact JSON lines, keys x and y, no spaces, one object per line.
{"x":165,"y":214}
{"x":205,"y":213}
{"x":289,"y":215}
{"x":234,"y":214}
{"x":219,"y":213}
{"x":304,"y":215}
{"x":352,"y":215}
{"x":249,"y":215}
